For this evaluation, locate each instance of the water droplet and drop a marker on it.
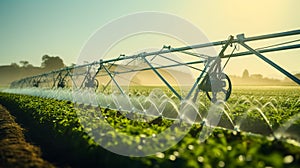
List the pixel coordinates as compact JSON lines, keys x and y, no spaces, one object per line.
{"x":200,"y":159}
{"x":221,"y":164}
{"x":191,"y":147}
{"x":241,"y":158}
{"x":160,"y":155}
{"x":176,"y":153}
{"x":271,"y":138}
{"x":172,"y":157}
{"x":288,"y":159}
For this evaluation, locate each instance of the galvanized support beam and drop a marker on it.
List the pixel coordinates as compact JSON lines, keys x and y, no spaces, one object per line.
{"x":245,"y":53}
{"x":196,"y":83}
{"x":71,"y":76}
{"x":179,"y":63}
{"x":241,"y":39}
{"x":85,"y":76}
{"x":163,"y":79}
{"x":118,"y":86}
{"x":161,"y":67}
{"x":28,"y":81}
{"x":197,"y":46}
{"x":213,"y":64}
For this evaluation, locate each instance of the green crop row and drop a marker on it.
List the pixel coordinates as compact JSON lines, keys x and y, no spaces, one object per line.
{"x":69,"y":135}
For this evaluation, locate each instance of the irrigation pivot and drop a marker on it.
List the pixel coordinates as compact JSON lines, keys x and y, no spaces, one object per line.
{"x":210,"y":79}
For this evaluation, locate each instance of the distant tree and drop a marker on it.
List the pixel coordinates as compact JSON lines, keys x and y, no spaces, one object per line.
{"x":52,"y":63}
{"x":15,"y":65}
{"x":24,"y":63}
{"x":29,"y":66}
{"x":245,"y":74}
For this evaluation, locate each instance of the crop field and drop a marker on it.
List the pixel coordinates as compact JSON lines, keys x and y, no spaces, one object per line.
{"x":260,"y":129}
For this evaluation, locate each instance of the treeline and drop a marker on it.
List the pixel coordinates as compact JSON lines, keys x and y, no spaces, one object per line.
{"x":9,"y":73}
{"x":259,"y":80}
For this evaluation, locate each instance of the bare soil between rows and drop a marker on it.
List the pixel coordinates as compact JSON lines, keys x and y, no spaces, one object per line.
{"x":15,"y":152}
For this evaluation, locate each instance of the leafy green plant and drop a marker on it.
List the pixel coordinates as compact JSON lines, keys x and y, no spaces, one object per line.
{"x":70,"y":138}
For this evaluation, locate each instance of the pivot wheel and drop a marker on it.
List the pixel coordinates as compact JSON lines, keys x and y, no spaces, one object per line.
{"x":61,"y":84}
{"x":96,"y":84}
{"x":92,"y":84}
{"x":220,"y":87}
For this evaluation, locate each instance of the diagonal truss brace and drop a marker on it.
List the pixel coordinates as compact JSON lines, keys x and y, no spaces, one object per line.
{"x":163,"y":79}
{"x":241,"y":40}
{"x":113,"y":79}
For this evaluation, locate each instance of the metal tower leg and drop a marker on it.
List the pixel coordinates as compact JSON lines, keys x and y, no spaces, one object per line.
{"x":109,"y":73}
{"x":163,"y":79}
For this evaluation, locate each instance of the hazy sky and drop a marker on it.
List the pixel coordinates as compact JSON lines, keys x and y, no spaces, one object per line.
{"x":29,"y":29}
